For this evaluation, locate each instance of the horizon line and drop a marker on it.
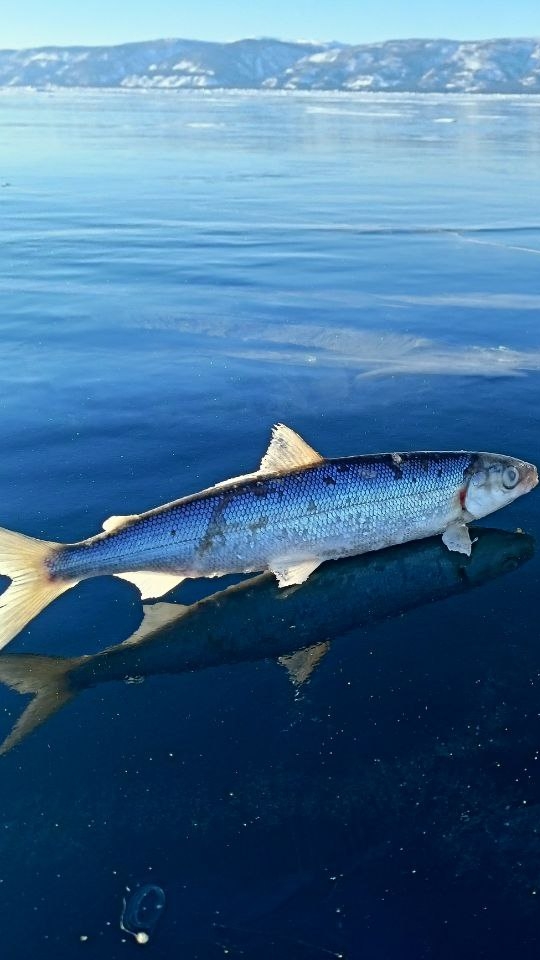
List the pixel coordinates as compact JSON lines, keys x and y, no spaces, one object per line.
{"x":296,"y":42}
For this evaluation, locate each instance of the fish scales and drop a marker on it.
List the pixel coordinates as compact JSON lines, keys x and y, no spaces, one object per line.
{"x":297,"y":510}
{"x":333,"y":508}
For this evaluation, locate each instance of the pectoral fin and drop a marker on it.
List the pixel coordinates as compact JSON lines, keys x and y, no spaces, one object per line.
{"x":289,"y":574}
{"x":151,"y":583}
{"x":300,"y":665}
{"x":457,"y":537}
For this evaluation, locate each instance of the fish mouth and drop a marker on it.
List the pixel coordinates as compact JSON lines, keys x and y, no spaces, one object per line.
{"x":529,"y":476}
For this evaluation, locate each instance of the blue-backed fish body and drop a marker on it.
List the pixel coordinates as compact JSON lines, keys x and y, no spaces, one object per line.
{"x":254,"y":620}
{"x":298,"y":510}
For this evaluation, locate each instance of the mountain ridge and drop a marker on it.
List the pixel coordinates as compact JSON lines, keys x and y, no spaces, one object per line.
{"x":505,"y":65}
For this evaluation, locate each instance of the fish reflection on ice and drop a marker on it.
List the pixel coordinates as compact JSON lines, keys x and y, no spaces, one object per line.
{"x":255,"y":620}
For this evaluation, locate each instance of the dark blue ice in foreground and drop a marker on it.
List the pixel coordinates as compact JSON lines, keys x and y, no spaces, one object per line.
{"x":177,"y":272}
{"x":142,"y":910}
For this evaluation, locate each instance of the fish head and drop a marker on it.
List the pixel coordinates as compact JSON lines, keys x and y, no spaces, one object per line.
{"x":493,"y":481}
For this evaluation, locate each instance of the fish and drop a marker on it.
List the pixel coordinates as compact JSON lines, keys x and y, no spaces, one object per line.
{"x":254,"y":620}
{"x":296,"y":511}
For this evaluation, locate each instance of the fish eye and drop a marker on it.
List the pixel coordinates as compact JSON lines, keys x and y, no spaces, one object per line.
{"x":510,"y":477}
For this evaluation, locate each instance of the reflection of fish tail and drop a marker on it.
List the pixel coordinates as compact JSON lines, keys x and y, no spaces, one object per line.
{"x":24,"y":560}
{"x":47,"y":678}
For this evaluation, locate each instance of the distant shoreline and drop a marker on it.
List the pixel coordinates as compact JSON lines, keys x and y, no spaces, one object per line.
{"x":449,"y":67}
{"x":209,"y":92}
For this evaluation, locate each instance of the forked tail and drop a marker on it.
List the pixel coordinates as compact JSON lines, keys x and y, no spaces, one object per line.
{"x":47,"y":678}
{"x":23,"y":559}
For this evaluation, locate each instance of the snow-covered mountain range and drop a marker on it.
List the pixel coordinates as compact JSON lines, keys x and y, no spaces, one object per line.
{"x":424,"y":66}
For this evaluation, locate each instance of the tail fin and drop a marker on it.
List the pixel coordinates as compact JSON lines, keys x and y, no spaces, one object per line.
{"x":45,"y":677}
{"x":23,"y":559}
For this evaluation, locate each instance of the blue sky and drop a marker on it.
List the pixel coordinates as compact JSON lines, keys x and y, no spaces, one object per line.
{"x":34,"y":22}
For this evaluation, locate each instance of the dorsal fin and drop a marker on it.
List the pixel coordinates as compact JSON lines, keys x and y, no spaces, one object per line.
{"x":156,"y":616}
{"x":111,"y":523}
{"x":300,"y":665}
{"x":287,"y":451}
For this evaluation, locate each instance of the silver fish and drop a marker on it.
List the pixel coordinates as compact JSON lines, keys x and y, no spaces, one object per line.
{"x":296,"y":511}
{"x":253,"y":620}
